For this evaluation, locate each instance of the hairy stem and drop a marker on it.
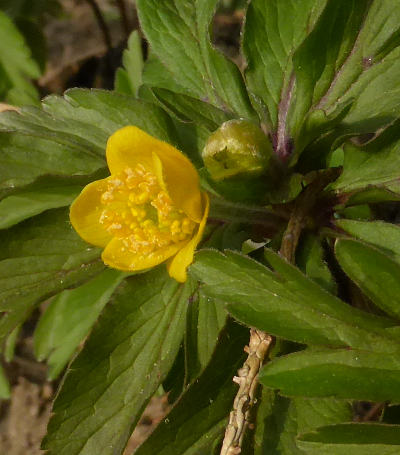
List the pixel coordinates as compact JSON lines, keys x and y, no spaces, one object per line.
{"x":247,"y":378}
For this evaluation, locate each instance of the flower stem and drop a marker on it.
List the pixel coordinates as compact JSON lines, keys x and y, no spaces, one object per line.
{"x":221,"y":209}
{"x":261,"y":342}
{"x":239,"y":419}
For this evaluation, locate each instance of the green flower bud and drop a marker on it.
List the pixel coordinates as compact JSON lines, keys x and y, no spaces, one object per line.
{"x":237,"y":149}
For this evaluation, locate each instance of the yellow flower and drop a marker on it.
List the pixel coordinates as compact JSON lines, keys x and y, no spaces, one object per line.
{"x":148,"y":211}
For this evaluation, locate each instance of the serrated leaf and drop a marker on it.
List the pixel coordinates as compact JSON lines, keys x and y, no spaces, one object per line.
{"x":324,"y":52}
{"x":354,"y":438}
{"x":350,"y":58}
{"x":69,"y":318}
{"x":179,"y":35}
{"x":211,"y":319}
{"x":188,"y":109}
{"x":16,"y":65}
{"x":376,"y":273}
{"x":39,"y":258}
{"x":18,"y":152}
{"x":88,"y":117}
{"x":343,"y":373}
{"x":200,"y":415}
{"x":67,"y":138}
{"x":378,"y":233}
{"x":129,"y":78}
{"x":374,"y":195}
{"x":310,"y":259}
{"x":357,"y":212}
{"x":280,"y":420}
{"x":276,"y":427}
{"x":269,"y":41}
{"x":287,"y":303}
{"x":195,"y":118}
{"x":376,"y":164}
{"x":25,"y":204}
{"x":121,"y":366}
{"x":205,"y":320}
{"x":155,"y":74}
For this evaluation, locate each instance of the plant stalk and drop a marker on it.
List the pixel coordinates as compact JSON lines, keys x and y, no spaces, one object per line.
{"x":261,"y":342}
{"x":239,"y":419}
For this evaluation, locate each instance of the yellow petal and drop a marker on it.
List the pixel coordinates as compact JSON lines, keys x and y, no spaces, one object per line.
{"x":177,"y":175}
{"x":85,"y":213}
{"x":116,"y":255}
{"x":180,"y":262}
{"x":130,"y":146}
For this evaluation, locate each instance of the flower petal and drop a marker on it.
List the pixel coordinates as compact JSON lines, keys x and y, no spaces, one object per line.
{"x":179,"y":178}
{"x":85,"y":214}
{"x":130,"y":146}
{"x":116,"y":255}
{"x":180,"y":262}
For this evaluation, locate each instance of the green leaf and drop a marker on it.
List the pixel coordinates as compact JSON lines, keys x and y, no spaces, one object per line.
{"x":188,"y":110}
{"x":179,"y":35}
{"x":354,"y":438}
{"x":280,"y":420}
{"x":310,"y":259}
{"x":211,"y":319}
{"x":127,"y":356}
{"x":374,"y":195}
{"x":16,"y":65}
{"x":89,"y":117}
{"x":376,"y":164}
{"x":200,"y":415}
{"x":155,"y":74}
{"x":357,"y":212}
{"x":350,"y":58}
{"x":287,"y":303}
{"x":69,"y":318}
{"x":25,"y":204}
{"x":380,"y":234}
{"x":68,"y":137}
{"x":39,"y":258}
{"x":376,"y":273}
{"x":342,"y":373}
{"x":269,"y":41}
{"x":18,"y":152}
{"x":129,"y":78}
{"x":276,"y":427}
{"x":5,"y":391}
{"x":10,"y":343}
{"x":206,"y":318}
{"x":320,"y":58}
{"x":203,"y":118}
{"x":314,"y":412}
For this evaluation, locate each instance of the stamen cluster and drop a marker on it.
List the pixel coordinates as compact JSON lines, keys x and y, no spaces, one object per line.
{"x":140,"y":212}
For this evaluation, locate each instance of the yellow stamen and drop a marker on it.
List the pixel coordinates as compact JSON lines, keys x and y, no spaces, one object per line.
{"x":137,"y":209}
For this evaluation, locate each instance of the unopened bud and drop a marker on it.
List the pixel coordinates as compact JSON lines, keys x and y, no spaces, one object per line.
{"x":237,"y":149}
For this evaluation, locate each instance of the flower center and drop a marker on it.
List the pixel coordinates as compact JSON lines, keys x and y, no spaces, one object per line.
{"x":140,"y":213}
